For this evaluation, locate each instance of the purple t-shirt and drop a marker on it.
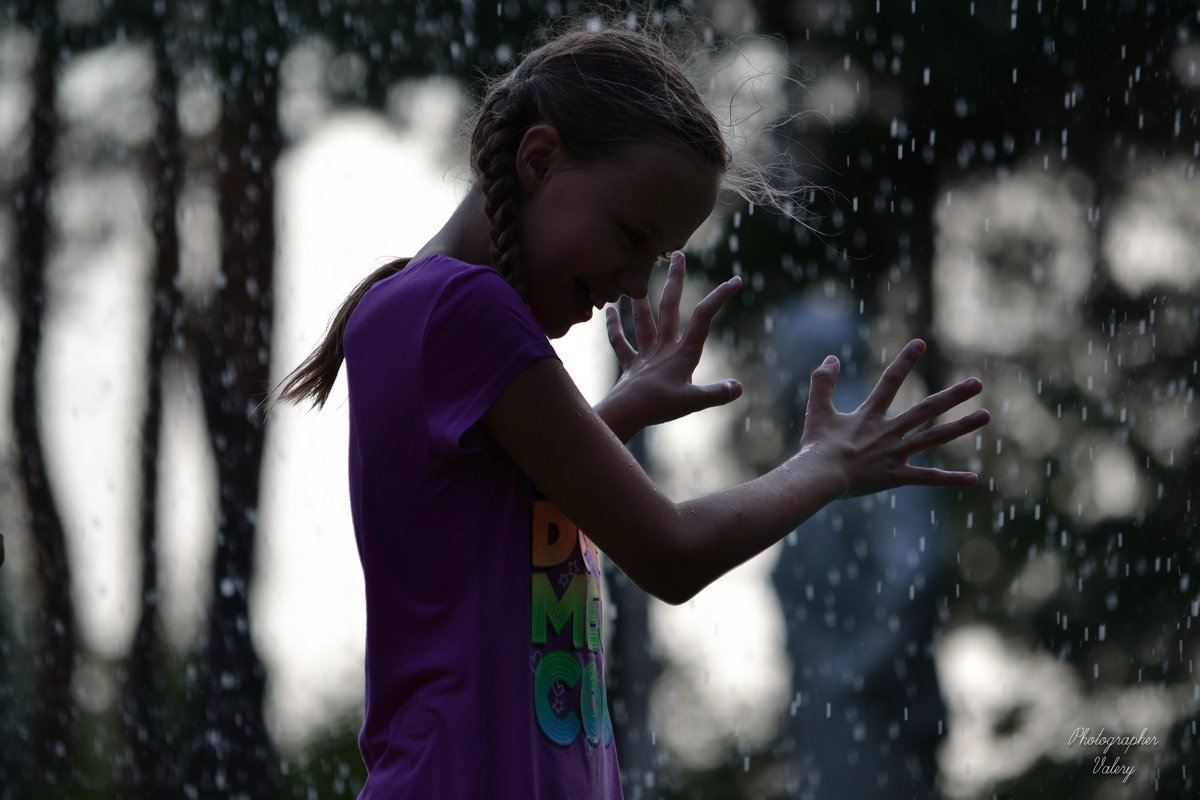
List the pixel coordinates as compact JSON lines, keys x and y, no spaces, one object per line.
{"x":484,"y":669}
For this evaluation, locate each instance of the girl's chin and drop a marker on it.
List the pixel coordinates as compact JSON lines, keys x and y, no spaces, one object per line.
{"x":558,"y":330}
{"x":557,"y":324}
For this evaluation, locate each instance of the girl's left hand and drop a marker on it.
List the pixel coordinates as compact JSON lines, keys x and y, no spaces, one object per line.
{"x":656,"y":378}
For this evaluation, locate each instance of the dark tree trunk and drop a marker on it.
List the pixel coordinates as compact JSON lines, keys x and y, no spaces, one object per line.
{"x":634,"y":666}
{"x":234,"y":754}
{"x":55,"y":632}
{"x":632,"y":674}
{"x":147,"y":736}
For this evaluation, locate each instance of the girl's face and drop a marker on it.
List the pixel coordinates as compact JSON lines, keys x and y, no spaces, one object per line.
{"x":592,"y":232}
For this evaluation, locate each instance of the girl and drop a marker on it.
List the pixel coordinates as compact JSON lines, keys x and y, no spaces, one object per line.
{"x":476,"y":466}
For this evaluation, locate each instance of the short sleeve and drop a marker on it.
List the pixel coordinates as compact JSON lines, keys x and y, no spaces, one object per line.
{"x":478,"y":338}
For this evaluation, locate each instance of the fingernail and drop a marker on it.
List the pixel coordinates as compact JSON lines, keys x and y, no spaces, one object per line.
{"x":829,"y":361}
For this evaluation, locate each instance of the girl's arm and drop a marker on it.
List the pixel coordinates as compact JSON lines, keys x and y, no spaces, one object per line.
{"x":656,"y":378}
{"x":673,"y":550}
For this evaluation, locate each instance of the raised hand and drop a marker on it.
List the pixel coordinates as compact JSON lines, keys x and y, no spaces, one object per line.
{"x":873,"y":450}
{"x":656,"y":377}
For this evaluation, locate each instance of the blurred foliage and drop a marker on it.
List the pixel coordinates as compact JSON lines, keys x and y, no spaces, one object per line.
{"x":330,"y":765}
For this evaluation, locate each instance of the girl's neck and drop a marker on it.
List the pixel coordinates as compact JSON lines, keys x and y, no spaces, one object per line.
{"x":465,"y":234}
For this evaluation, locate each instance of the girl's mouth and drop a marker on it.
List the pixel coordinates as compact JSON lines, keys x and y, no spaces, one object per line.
{"x":586,"y":300}
{"x":589,"y":299}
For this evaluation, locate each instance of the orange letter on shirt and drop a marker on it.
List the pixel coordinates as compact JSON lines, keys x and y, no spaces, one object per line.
{"x":549,"y":549}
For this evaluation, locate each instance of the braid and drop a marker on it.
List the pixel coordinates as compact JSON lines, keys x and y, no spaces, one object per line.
{"x":496,"y":138}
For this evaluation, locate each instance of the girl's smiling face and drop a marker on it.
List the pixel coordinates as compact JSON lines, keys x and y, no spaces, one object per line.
{"x":592,"y":231}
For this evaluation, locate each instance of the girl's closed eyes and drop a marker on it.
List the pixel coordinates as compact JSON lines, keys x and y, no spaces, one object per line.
{"x":638,"y":239}
{"x":635,"y":237}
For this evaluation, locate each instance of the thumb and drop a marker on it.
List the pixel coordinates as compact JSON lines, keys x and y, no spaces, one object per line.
{"x":716,"y":394}
{"x":822,"y":383}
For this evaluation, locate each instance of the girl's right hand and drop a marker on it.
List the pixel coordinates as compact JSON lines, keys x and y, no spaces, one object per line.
{"x":656,"y":377}
{"x":872,"y":451}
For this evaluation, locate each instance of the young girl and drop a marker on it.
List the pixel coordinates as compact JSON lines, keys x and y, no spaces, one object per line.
{"x":476,"y":466}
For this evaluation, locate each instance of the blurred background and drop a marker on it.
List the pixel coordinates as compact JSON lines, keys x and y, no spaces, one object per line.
{"x":190,"y":187}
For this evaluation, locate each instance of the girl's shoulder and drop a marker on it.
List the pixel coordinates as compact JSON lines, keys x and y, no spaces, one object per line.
{"x":424,"y":280}
{"x":430,"y":287}
{"x":440,"y":271}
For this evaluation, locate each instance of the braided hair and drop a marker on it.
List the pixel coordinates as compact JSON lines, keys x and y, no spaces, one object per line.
{"x":507,"y":113}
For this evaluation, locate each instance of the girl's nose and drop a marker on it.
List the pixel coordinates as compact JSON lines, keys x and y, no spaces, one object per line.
{"x":633,"y":282}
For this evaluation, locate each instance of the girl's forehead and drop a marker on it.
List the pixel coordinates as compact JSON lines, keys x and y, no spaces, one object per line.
{"x":653,"y":165}
{"x":663,"y":177}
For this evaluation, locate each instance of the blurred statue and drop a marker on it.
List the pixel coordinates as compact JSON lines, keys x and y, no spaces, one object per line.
{"x":858,"y":584}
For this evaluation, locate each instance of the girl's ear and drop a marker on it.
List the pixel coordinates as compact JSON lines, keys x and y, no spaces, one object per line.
{"x":539,"y":154}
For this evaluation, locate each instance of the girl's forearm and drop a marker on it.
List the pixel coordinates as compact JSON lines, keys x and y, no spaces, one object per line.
{"x":614,"y":414}
{"x":719,"y":531}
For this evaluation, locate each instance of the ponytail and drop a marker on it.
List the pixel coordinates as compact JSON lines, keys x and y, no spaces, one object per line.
{"x":313,"y":379}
